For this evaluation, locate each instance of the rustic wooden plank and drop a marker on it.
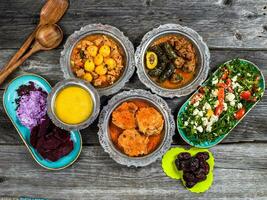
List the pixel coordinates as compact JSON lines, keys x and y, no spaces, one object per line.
{"x":46,"y":64}
{"x":223,"y":24}
{"x":240,"y":173}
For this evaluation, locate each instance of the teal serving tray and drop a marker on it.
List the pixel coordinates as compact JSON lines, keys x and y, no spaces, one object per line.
{"x":10,"y":105}
{"x":209,"y":144}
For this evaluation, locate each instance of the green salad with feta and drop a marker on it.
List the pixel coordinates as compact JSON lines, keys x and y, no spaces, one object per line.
{"x":222,"y":101}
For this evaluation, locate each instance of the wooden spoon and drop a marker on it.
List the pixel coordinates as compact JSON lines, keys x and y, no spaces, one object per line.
{"x":47,"y":37}
{"x":51,"y":13}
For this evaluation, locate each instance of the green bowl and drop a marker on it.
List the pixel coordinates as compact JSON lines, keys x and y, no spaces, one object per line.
{"x":209,"y":144}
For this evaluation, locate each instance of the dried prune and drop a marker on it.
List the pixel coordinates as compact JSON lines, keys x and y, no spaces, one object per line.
{"x":185,"y":165}
{"x":177,"y":164}
{"x":190,"y":184}
{"x":194,"y":163}
{"x":203,"y":155}
{"x":184,"y":156}
{"x":201,"y":177}
{"x":195,"y":168}
{"x":189,"y":177}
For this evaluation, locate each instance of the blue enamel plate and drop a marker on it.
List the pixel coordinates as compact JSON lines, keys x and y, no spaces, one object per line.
{"x":10,"y":106}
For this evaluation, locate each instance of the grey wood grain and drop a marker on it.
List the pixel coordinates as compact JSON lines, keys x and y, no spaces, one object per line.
{"x":46,"y":64}
{"x":223,"y":24}
{"x":240,"y":173}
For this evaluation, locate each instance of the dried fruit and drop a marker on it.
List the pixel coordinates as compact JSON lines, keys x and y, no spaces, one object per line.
{"x":195,"y":168}
{"x":184,"y":156}
{"x":203,"y":155}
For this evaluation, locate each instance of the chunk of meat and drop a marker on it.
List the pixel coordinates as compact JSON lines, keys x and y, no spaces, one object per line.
{"x":149,"y":121}
{"x":124,"y":115}
{"x":190,"y":66}
{"x":133,"y":143}
{"x":179,"y":62}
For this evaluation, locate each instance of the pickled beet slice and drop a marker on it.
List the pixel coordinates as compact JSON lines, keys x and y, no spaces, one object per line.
{"x":65,"y":149}
{"x":43,"y":127}
{"x":51,"y":143}
{"x":61,"y":135}
{"x":34,"y":136}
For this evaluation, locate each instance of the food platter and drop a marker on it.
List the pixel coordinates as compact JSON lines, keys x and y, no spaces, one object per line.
{"x":135,"y":126}
{"x":10,"y":105}
{"x":234,"y":122}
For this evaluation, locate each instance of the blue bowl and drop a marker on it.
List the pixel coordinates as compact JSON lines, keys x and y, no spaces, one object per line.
{"x":10,"y":105}
{"x":209,"y":144}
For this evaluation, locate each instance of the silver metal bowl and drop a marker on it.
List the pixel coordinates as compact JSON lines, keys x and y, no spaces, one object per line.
{"x":113,"y":33}
{"x":104,"y":136}
{"x":66,"y":83}
{"x":203,"y":55}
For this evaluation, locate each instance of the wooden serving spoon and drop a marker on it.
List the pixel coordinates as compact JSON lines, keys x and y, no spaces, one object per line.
{"x":51,"y":13}
{"x":47,"y":37}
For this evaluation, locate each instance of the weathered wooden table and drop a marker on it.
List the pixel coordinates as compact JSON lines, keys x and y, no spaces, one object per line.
{"x":231,"y":28}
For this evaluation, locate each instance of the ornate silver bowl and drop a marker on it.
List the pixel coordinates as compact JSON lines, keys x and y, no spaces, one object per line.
{"x":117,"y":36}
{"x":104,"y":136}
{"x":70,"y":82}
{"x":203,"y":55}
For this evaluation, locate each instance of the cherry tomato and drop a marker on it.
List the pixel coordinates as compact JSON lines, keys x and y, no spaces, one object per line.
{"x":221,"y":85}
{"x":218,"y":110}
{"x":240,"y":113}
{"x":228,"y":82}
{"x":221,"y":95}
{"x":225,"y":75}
{"x":202,"y":90}
{"x":196,"y":97}
{"x":245,"y":95}
{"x":253,"y":99}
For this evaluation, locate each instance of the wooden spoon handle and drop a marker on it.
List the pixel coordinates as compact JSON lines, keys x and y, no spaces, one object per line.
{"x":8,"y":70}
{"x":22,"y":50}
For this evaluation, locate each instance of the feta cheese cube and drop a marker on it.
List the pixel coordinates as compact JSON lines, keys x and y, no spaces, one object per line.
{"x":239,"y":105}
{"x":200,"y":113}
{"x":232,"y":103}
{"x":214,"y":81}
{"x":230,"y":97}
{"x":213,"y":119}
{"x":195,"y":112}
{"x":206,"y":106}
{"x":224,"y":106}
{"x":196,"y":104}
{"x":205,"y":121}
{"x":214,"y":93}
{"x":199,"y":129}
{"x":208,"y":129}
{"x":234,"y":79}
